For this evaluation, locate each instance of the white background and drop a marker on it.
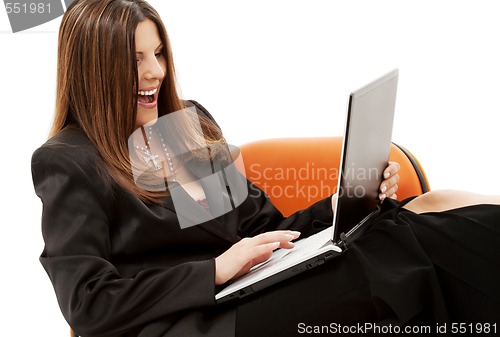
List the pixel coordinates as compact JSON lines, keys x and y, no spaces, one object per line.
{"x":281,"y":68}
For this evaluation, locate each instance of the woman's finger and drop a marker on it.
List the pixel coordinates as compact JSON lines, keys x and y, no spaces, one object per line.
{"x":388,"y":183}
{"x":391,"y":169}
{"x":390,"y":193}
{"x":274,"y":236}
{"x":389,"y":187}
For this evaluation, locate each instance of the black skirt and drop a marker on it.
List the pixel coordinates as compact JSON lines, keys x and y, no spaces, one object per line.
{"x":433,"y":273}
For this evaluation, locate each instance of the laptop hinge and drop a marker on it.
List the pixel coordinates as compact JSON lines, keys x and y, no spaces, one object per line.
{"x":346,"y":239}
{"x":343,"y":242}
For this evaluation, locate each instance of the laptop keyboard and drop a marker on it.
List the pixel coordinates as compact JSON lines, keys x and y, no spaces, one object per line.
{"x":285,"y":257}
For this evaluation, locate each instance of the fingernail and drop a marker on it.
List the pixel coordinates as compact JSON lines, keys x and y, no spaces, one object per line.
{"x":296,"y":234}
{"x":386,"y":175}
{"x":382,"y":197}
{"x":383,"y":189}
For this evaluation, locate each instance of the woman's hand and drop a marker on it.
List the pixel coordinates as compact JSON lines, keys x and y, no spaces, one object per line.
{"x":389,"y":186}
{"x":248,"y":252}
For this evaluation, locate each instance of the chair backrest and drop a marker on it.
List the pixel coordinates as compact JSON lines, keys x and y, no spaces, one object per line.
{"x":296,"y":172}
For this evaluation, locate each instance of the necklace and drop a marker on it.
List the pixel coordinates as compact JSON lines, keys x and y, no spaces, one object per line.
{"x":149,"y":157}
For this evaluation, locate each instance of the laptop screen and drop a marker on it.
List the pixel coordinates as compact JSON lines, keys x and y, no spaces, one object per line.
{"x":365,"y":151}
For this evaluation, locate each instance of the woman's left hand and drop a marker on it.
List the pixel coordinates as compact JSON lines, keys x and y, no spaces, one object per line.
{"x":389,"y":186}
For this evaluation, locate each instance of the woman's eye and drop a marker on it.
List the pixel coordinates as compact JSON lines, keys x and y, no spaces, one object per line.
{"x":159,"y":53}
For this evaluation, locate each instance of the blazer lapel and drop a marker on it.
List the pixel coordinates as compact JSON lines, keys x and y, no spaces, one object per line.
{"x":219,"y":206}
{"x":218,"y":197}
{"x":190,"y":213}
{"x":223,"y":191}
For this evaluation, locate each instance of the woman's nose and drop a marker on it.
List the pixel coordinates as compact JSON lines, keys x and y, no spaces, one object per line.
{"x":154,"y":69}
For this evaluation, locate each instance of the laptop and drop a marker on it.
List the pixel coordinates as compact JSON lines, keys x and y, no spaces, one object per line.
{"x":365,"y":155}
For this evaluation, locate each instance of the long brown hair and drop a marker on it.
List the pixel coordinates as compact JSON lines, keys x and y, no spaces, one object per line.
{"x":97,"y":80}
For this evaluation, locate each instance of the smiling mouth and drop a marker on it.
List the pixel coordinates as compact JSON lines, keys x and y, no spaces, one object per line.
{"x":146,"y":96}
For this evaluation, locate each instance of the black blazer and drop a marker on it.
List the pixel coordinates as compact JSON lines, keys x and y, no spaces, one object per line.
{"x":121,"y":267}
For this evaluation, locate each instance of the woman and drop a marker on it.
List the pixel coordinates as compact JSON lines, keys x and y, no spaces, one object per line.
{"x":122,"y":261}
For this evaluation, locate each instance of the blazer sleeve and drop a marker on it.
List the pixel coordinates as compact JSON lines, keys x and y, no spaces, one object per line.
{"x":94,"y":298}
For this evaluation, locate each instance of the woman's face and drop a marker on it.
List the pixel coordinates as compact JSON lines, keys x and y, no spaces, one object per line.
{"x":151,"y":66}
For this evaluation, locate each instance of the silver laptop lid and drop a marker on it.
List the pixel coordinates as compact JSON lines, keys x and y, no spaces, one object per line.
{"x":365,"y":151}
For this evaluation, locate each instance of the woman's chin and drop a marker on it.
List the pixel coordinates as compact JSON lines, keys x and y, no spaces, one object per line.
{"x":146,"y":117}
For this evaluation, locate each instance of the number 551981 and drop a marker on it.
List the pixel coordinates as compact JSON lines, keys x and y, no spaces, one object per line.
{"x":24,"y":8}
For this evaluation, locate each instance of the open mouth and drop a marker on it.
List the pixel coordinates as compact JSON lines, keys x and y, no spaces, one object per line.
{"x":146,"y":96}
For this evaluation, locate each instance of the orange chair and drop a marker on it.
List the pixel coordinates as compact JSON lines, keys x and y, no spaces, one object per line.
{"x":296,"y":172}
